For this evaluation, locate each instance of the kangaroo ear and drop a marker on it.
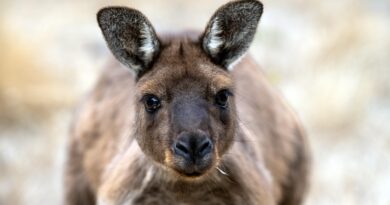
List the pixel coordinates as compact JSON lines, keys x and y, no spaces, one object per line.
{"x":231,"y":30}
{"x":130,"y":37}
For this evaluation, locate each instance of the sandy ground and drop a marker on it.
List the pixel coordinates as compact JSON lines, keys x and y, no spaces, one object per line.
{"x":330,"y":59}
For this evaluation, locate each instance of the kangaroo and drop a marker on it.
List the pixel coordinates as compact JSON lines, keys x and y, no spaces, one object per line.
{"x":191,"y":121}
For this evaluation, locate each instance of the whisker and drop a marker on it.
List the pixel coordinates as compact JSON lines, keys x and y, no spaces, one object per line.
{"x":222,"y":172}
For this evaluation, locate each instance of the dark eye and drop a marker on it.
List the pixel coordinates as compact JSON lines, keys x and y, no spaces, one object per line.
{"x":221,"y":98}
{"x":152,"y":103}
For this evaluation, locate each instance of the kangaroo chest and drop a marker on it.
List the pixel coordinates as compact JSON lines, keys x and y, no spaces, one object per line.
{"x":160,"y":195}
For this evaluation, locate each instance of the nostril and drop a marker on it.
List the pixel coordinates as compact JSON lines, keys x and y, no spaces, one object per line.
{"x":180,"y":147}
{"x":192,"y":147}
{"x":205,"y":148}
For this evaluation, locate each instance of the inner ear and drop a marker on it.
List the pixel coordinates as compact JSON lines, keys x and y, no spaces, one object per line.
{"x":130,"y":37}
{"x":230,"y":31}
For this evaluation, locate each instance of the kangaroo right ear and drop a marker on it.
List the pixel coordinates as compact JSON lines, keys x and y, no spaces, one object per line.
{"x":130,"y":37}
{"x":231,"y":30}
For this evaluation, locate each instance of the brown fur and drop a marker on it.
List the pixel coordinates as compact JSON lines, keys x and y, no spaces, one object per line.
{"x":269,"y":135}
{"x":118,"y":154}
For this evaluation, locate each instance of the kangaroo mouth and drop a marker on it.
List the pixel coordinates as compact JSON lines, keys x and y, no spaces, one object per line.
{"x":189,"y":167}
{"x":191,"y":174}
{"x":192,"y":170}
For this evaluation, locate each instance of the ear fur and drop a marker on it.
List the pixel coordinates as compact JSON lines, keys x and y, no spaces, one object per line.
{"x":130,"y":37}
{"x":230,"y":31}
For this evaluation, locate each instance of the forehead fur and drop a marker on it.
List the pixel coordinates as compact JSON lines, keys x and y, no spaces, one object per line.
{"x":182,"y":61}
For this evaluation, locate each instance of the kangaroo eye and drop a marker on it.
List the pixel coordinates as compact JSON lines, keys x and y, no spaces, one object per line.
{"x":152,"y":103}
{"x":221,"y":98}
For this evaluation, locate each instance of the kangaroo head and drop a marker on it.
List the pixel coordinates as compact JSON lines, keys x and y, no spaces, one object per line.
{"x":185,"y":109}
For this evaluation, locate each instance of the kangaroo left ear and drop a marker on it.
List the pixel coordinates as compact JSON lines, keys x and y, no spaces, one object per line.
{"x":130,"y":37}
{"x":231,"y":30}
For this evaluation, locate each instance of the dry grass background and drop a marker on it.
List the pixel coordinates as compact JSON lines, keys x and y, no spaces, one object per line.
{"x":330,"y":59}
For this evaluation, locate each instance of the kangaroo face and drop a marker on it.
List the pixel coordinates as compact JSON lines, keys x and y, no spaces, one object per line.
{"x":186,"y":112}
{"x":186,"y":115}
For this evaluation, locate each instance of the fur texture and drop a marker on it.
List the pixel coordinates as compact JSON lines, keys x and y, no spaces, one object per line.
{"x":231,"y":31}
{"x":119,"y":153}
{"x":130,"y":36}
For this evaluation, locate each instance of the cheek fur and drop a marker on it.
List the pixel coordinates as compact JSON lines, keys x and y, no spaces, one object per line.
{"x":154,"y":131}
{"x":226,"y":115}
{"x":222,"y":132}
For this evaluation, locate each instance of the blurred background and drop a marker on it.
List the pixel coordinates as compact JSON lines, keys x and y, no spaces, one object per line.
{"x":330,"y":59}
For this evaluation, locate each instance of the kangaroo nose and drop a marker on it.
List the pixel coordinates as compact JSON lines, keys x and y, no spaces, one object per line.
{"x":192,"y":147}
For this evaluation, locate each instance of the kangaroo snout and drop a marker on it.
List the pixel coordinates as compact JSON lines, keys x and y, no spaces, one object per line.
{"x":192,"y":148}
{"x":193,"y":152}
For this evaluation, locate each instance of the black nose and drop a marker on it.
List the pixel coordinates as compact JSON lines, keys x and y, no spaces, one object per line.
{"x":192,"y":147}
